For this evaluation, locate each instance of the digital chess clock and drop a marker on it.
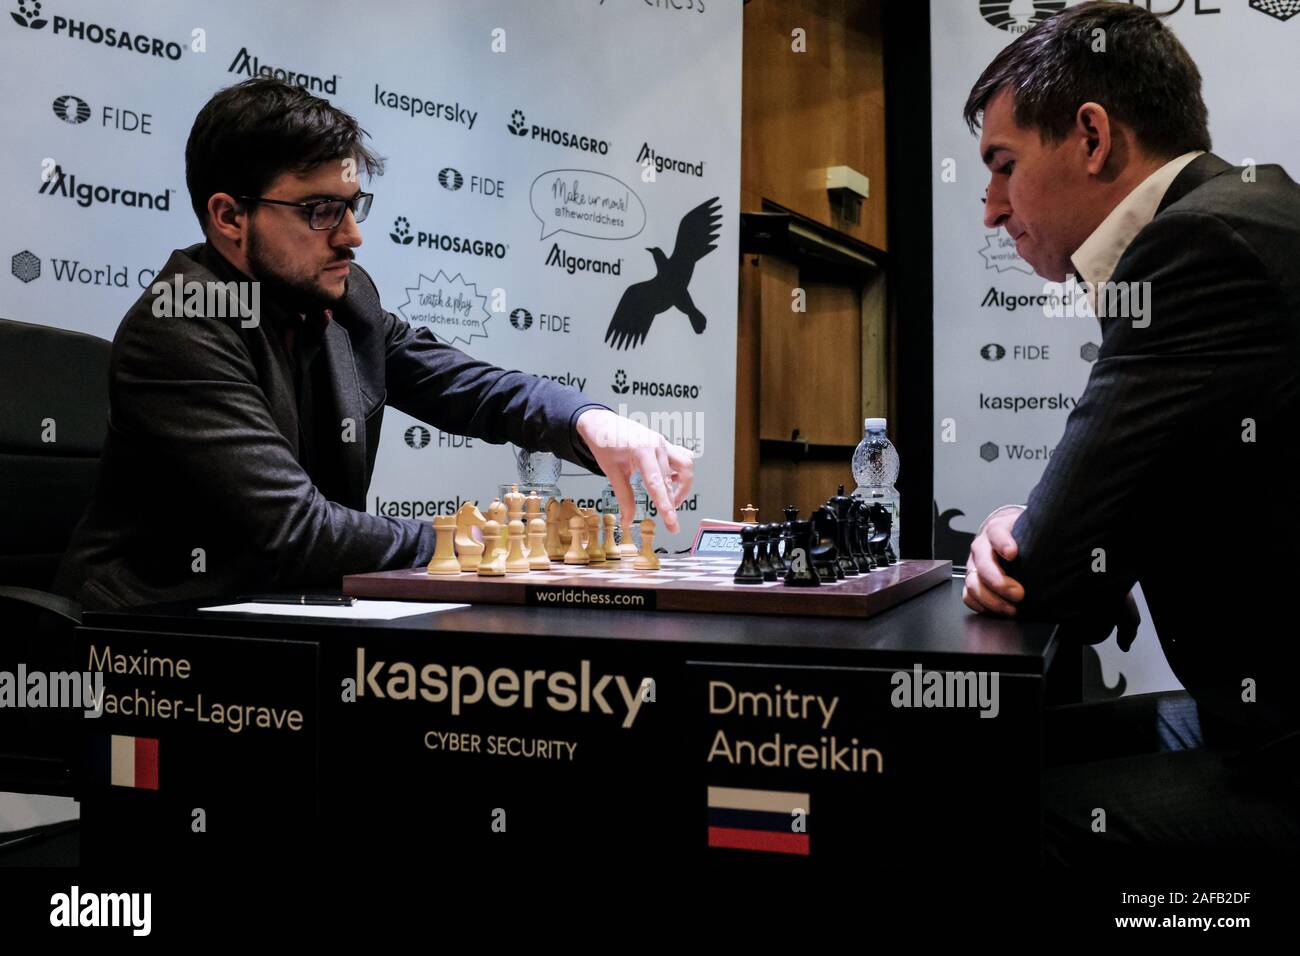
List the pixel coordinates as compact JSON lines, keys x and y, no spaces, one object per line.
{"x":717,"y":538}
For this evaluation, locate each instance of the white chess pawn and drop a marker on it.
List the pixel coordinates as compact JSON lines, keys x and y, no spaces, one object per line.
{"x":568,"y":509}
{"x":585,"y":513}
{"x":607,"y":543}
{"x":627,"y":550}
{"x":554,"y":546}
{"x":503,"y":537}
{"x":576,"y":554}
{"x":534,"y":510}
{"x":538,"y":559}
{"x":647,"y":560}
{"x":594,"y":551}
{"x":494,"y":564}
{"x":516,"y":560}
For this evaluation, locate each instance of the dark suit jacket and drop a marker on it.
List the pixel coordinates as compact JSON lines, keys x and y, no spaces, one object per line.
{"x":202,"y":447}
{"x":1180,"y":460}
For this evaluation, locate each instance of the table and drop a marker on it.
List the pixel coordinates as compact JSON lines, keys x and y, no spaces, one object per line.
{"x":724,"y":739}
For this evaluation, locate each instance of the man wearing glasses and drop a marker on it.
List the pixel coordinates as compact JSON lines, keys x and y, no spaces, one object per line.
{"x":239,"y":450}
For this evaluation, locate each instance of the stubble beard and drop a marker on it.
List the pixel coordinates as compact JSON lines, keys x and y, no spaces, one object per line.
{"x":292,"y":293}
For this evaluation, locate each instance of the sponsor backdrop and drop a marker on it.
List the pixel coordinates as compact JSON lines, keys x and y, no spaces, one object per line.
{"x":544,"y":162}
{"x":1007,"y":374}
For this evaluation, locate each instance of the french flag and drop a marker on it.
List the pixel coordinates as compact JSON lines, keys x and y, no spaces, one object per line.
{"x":771,"y":821}
{"x":126,"y":761}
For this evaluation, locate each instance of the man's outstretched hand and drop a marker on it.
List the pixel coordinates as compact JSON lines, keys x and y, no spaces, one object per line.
{"x":988,"y":588}
{"x":621,"y":447}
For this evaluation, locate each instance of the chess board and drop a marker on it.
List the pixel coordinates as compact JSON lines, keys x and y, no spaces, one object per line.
{"x":683,"y":583}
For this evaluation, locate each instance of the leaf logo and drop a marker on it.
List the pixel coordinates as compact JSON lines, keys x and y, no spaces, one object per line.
{"x":29,"y":14}
{"x":401,"y":233}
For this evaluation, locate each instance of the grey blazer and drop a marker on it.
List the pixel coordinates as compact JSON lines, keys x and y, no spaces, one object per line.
{"x":202,"y":448}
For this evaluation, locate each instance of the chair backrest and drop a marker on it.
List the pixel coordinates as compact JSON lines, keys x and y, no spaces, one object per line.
{"x":53,"y":419}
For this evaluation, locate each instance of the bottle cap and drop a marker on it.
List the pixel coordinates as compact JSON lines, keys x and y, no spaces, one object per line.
{"x":875,"y":424}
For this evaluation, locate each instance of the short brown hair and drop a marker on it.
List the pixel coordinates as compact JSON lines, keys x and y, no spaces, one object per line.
{"x":252,"y":132}
{"x":1144,"y":78}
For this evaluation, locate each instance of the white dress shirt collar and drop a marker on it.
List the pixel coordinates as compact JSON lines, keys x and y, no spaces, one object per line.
{"x":1095,"y":260}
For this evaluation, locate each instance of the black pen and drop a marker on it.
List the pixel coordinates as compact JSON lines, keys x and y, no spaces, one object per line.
{"x":306,"y":600}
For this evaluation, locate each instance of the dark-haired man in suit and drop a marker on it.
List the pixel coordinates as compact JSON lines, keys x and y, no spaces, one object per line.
{"x":242,"y":433}
{"x":1179,"y":463}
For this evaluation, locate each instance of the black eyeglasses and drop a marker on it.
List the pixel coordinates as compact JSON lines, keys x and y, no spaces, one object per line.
{"x":324,"y":213}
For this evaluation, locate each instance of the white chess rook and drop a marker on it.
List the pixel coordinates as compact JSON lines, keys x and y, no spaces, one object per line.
{"x":444,"y":550}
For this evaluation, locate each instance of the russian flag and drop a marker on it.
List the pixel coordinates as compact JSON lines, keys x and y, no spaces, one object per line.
{"x":126,"y":761}
{"x":762,"y":820}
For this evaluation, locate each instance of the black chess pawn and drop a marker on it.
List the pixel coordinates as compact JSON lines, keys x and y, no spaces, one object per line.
{"x":791,"y":515}
{"x":778,"y":546}
{"x":749,"y":572}
{"x":801,"y":573}
{"x":760,"y":547}
{"x":835,"y":540}
{"x":769,"y":561}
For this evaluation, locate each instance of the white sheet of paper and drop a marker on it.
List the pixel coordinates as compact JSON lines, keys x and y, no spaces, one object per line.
{"x":359,"y":611}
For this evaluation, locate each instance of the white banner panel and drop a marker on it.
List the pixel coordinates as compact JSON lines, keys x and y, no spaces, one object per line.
{"x":537,"y":152}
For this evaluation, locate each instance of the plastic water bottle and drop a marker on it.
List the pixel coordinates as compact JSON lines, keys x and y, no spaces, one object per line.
{"x":875,"y":466}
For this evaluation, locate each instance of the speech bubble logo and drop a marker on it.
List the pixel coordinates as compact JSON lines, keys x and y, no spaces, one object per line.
{"x":999,"y":253}
{"x":586,"y":203}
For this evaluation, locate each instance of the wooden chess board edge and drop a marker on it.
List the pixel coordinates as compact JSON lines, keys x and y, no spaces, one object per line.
{"x":813,"y":602}
{"x":795,"y":602}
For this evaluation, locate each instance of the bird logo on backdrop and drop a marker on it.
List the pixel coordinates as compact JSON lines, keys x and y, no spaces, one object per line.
{"x":949,"y":542}
{"x":697,"y":236}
